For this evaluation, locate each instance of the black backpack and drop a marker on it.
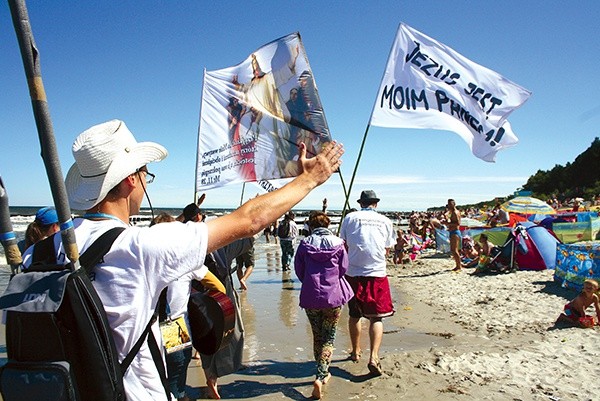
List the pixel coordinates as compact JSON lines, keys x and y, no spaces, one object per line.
{"x":283,"y":230}
{"x":58,"y":340}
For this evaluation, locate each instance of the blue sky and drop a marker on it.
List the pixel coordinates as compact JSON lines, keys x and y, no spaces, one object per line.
{"x":142,"y":62}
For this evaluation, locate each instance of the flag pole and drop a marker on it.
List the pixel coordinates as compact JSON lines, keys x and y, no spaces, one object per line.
{"x":41,"y":112}
{"x":362,"y":146}
{"x":198,"y":145}
{"x":346,"y":205}
{"x":242,"y":197}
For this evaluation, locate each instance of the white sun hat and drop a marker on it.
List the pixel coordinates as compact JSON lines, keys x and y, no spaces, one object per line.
{"x":104,"y":155}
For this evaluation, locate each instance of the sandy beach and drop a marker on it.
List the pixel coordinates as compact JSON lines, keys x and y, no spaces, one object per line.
{"x":454,"y":337}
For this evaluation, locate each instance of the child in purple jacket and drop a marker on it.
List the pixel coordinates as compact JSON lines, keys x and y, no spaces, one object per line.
{"x":320,"y":263}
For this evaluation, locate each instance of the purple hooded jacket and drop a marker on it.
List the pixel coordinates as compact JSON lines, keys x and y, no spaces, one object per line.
{"x":320,"y":263}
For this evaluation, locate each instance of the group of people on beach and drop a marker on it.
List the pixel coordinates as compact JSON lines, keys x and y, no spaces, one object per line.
{"x":467,"y":253}
{"x":109,"y":181}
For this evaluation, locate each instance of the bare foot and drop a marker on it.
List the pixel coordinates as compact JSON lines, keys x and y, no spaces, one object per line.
{"x":243,"y":285}
{"x":317,"y":389}
{"x":213,"y":391}
{"x":355,"y":356}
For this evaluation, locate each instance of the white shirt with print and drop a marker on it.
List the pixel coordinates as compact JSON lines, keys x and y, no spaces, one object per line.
{"x":367,"y":235}
{"x":141,"y":262}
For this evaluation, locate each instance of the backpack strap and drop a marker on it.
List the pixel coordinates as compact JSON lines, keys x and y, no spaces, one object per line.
{"x":154,"y":351}
{"x":94,"y":254}
{"x":158,"y":361}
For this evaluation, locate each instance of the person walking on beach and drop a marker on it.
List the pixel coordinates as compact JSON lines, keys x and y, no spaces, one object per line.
{"x":453,"y":223}
{"x":172,"y":305}
{"x":228,"y":359}
{"x":109,"y":180}
{"x":320,"y":264}
{"x":369,"y":237}
{"x":244,"y":264}
{"x":287,"y":231}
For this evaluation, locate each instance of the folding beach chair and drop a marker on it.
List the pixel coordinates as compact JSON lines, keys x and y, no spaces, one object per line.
{"x":502,"y":258}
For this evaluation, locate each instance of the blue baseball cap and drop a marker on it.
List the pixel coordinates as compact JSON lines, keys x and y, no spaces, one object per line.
{"x":47,"y":216}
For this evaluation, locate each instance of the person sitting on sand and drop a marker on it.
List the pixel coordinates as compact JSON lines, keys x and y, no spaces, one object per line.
{"x":574,"y":311}
{"x":484,"y":253}
{"x":469,"y":254}
{"x":499,"y":216}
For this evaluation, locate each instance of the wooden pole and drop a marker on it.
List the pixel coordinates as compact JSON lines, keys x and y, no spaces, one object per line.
{"x":41,"y":112}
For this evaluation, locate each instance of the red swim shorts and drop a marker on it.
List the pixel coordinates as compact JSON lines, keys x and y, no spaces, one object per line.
{"x":372,"y":297}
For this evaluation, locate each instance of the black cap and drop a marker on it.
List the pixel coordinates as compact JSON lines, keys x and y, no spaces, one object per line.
{"x":368,"y":196}
{"x":190,"y":211}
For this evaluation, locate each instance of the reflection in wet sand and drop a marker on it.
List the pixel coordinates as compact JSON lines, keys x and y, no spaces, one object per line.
{"x":249,"y":318}
{"x":272,"y":258}
{"x":288,"y":300}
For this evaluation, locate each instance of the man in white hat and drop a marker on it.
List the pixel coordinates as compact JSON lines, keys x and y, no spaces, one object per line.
{"x":108,"y":181}
{"x":369,"y":237}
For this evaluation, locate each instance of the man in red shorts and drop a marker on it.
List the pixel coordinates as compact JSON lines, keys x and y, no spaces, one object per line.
{"x":369,"y":237}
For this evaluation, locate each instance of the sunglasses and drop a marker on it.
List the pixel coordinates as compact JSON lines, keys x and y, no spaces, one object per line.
{"x":149,"y":176}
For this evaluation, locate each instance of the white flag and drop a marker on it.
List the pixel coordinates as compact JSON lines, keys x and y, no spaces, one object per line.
{"x":255,"y":115}
{"x":429,"y":85}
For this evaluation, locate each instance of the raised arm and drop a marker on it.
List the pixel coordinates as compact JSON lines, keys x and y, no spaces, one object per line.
{"x":254,"y":215}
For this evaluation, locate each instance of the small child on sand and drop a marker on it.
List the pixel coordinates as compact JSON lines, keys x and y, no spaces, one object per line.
{"x":574,"y":312}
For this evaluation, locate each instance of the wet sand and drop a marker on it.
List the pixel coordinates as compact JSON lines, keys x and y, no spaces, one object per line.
{"x":278,"y":343}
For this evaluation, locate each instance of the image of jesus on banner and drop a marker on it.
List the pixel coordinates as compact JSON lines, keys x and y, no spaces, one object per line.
{"x":255,"y":115}
{"x":261,"y":96}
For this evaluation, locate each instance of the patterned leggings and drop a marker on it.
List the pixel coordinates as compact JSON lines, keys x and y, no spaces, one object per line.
{"x":324,"y":325}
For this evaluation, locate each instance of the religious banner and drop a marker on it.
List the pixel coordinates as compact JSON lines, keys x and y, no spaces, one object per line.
{"x":427,"y":84}
{"x":255,"y":115}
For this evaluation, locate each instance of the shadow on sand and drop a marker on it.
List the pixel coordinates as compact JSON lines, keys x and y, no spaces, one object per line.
{"x":288,"y":386}
{"x":553,"y":288}
{"x":424,"y":274}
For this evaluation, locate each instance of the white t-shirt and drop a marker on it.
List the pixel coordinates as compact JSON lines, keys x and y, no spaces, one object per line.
{"x":367,"y":235}
{"x":178,"y":293}
{"x":141,"y":262}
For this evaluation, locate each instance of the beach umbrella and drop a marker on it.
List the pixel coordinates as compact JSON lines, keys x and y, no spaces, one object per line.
{"x":527,"y":205}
